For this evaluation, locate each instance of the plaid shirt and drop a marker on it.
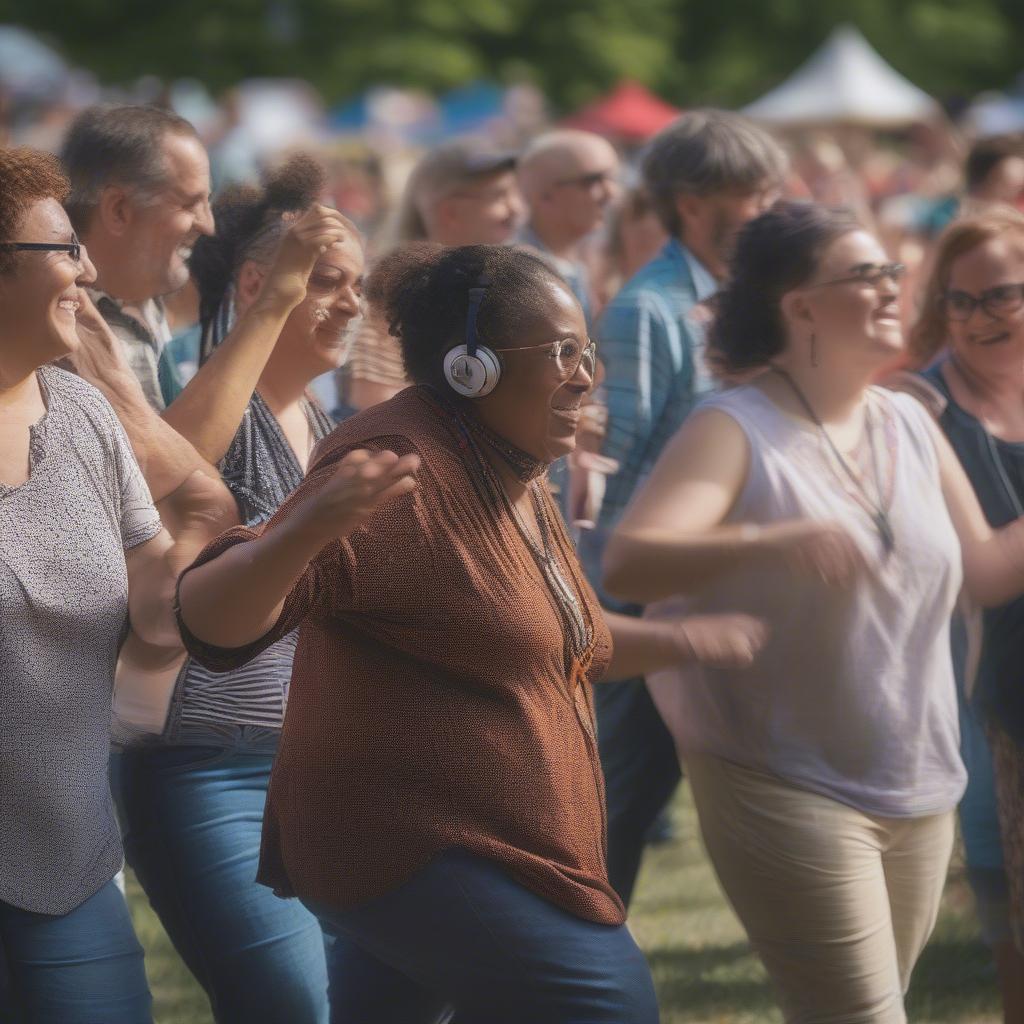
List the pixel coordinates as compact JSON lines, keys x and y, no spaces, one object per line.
{"x":143,"y":333}
{"x":651,"y":340}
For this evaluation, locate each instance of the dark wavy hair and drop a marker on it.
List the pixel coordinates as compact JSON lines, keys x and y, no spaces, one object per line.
{"x":422,"y":290}
{"x":774,"y":253}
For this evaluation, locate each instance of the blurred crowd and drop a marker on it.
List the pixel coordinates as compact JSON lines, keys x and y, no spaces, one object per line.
{"x":271,"y":395}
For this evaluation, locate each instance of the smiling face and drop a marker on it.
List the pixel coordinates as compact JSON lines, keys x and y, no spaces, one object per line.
{"x":161,"y":227}
{"x":855,"y":321}
{"x":535,"y":406}
{"x":990,"y":340}
{"x":581,"y":181}
{"x":482,"y":211}
{"x":39,"y":298}
{"x":315,"y":337}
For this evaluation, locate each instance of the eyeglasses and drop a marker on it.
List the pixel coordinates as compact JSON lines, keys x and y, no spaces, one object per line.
{"x":588,"y":181}
{"x":567,"y":354}
{"x":74,"y":247}
{"x":999,"y":301}
{"x":870,"y":274}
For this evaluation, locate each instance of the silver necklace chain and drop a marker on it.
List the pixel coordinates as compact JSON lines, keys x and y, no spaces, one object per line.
{"x":878,"y":512}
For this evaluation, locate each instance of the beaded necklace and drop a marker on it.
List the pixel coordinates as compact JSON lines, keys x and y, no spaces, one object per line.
{"x":576,"y":626}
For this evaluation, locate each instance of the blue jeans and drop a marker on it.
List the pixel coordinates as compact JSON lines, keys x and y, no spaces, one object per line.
{"x":192,"y":818}
{"x":462,"y":934}
{"x":84,"y":967}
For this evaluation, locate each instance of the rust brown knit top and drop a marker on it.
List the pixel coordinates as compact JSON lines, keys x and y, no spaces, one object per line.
{"x":435,"y":700}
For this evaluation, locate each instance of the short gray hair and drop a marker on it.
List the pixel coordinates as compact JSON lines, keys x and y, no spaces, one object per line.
{"x":109,"y":145}
{"x":708,"y":151}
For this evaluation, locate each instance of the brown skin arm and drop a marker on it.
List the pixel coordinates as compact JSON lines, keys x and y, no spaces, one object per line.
{"x":237,"y":597}
{"x":642,"y":646}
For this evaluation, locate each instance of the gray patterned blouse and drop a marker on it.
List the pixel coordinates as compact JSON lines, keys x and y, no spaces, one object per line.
{"x":63,"y":615}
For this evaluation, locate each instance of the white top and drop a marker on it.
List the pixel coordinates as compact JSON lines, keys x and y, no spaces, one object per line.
{"x":853,"y":694}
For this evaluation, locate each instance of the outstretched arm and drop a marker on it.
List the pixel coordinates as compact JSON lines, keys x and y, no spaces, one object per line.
{"x":236,"y":598}
{"x":642,"y":646}
{"x":673,"y":536}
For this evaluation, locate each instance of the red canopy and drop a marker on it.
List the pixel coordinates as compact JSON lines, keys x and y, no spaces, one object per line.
{"x":629,"y":112}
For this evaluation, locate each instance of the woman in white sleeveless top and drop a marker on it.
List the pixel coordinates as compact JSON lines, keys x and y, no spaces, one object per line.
{"x":825,"y":775}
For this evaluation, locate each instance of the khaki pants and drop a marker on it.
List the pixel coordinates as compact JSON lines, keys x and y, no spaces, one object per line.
{"x":837,"y":903}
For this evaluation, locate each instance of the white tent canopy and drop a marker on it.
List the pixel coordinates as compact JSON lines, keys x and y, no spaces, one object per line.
{"x":845,"y":82}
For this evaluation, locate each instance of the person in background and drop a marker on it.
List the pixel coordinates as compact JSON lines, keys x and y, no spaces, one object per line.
{"x":437,"y":797}
{"x":972,"y":318}
{"x":826,"y":776}
{"x":83,"y":556}
{"x":707,"y":174}
{"x":192,"y":799}
{"x":140,"y":198}
{"x":635,"y":236}
{"x":462,"y":192}
{"x":993,"y":173}
{"x":568,"y":179}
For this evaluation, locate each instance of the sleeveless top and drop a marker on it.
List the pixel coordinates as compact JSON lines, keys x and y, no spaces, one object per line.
{"x":261,"y":470}
{"x":996,"y":471}
{"x":853,"y":694}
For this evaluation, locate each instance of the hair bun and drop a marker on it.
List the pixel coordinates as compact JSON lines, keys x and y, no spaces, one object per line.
{"x":298,"y":183}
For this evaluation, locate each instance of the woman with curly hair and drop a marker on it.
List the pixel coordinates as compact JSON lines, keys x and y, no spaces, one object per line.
{"x":437,"y":796}
{"x":192,"y":802}
{"x":825,"y":777}
{"x":83,"y":555}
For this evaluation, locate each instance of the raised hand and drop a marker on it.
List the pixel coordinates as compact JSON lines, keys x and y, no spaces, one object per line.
{"x":308,"y":236}
{"x":362,"y":482}
{"x":722,"y":641}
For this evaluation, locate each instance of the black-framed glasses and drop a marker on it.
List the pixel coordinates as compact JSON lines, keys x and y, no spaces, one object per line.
{"x":872,"y":274}
{"x":567,"y":354}
{"x":999,"y":301}
{"x":74,"y":247}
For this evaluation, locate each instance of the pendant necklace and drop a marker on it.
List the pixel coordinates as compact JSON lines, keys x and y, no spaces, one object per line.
{"x":879,"y":514}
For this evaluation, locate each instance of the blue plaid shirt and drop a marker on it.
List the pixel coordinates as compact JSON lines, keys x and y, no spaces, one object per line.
{"x":652,"y":347}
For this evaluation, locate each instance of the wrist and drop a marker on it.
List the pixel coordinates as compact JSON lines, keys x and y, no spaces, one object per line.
{"x":278,"y":300}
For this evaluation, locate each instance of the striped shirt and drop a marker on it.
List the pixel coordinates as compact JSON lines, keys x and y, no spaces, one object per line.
{"x":261,"y":470}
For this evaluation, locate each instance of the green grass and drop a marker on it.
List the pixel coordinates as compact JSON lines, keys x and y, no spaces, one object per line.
{"x":703,"y":968}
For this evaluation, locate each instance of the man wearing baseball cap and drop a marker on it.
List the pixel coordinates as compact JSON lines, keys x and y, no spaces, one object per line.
{"x":463,"y":192}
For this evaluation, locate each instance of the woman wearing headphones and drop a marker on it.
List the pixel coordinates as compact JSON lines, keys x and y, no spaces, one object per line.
{"x":437,"y":797}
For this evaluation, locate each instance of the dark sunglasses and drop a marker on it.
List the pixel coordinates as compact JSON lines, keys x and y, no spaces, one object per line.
{"x":74,"y":247}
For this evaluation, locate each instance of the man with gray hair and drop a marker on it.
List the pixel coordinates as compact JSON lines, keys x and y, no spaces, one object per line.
{"x":708,"y":173}
{"x":568,"y":178}
{"x":140,"y":197}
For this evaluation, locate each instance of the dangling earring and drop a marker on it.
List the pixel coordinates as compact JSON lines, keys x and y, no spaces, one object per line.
{"x":814,"y":349}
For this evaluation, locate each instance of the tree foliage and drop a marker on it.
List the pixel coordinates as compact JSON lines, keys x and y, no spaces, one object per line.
{"x":689,"y":51}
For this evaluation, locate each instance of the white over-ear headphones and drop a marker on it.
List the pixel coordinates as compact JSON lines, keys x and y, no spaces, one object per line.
{"x":472,"y":370}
